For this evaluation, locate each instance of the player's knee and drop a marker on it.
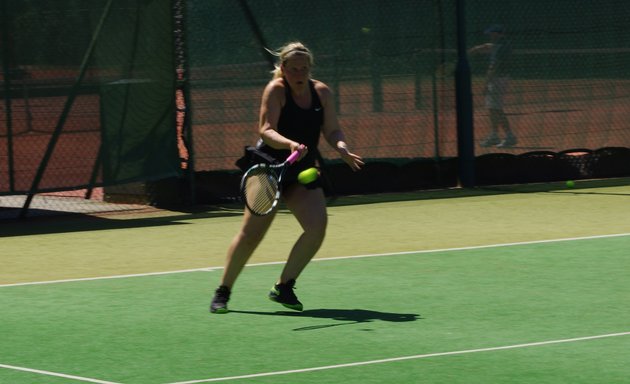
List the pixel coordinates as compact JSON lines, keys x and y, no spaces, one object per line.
{"x":316,"y":228}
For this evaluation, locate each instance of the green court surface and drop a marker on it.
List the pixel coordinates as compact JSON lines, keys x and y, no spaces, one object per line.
{"x":526,"y":286}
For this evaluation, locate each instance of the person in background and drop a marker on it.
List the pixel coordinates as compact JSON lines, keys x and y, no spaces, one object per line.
{"x":295,"y":110}
{"x":499,"y":51}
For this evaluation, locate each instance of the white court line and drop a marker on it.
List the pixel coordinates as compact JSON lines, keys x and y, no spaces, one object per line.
{"x":107,"y":277}
{"x":48,"y":373}
{"x":402,"y":358}
{"x":209,"y":269}
{"x":89,"y":380}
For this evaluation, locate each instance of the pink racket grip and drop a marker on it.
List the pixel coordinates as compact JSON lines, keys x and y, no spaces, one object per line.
{"x":291,"y":159}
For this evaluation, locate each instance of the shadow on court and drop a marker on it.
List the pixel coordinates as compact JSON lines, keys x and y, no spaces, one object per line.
{"x":50,"y":224}
{"x":343,"y":316}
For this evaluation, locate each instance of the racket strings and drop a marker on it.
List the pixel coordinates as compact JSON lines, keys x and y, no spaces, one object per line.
{"x":260,"y":191}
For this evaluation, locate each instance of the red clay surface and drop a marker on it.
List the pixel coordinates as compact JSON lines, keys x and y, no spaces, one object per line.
{"x":546,"y":115}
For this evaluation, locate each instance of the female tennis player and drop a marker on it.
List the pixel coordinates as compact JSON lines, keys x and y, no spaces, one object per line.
{"x":295,"y":110}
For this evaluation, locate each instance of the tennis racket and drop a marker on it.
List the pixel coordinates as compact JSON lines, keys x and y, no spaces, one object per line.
{"x":260,"y":185}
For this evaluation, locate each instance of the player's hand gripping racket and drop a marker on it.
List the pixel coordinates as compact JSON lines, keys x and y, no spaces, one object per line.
{"x":260,"y":185}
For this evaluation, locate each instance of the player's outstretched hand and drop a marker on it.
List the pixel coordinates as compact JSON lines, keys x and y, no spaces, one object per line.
{"x":354,"y":161}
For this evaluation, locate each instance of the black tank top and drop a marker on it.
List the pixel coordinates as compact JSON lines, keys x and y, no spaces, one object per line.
{"x":300,"y":125}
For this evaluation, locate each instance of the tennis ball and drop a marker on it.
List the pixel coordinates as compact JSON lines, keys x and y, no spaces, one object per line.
{"x":570,"y":183}
{"x":365,"y":30}
{"x":308,"y":175}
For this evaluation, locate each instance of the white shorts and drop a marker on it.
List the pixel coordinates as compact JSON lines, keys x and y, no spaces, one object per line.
{"x":495,"y":92}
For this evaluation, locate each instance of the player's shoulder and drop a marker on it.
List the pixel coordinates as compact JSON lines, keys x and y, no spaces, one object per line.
{"x":319,"y":84}
{"x":275,"y":86}
{"x":276,"y":83}
{"x":322,"y":88}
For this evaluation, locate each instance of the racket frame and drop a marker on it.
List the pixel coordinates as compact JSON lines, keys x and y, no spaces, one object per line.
{"x":277,"y":172}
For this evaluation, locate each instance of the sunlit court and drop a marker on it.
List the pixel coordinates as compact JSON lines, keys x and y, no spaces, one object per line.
{"x":518,"y":286}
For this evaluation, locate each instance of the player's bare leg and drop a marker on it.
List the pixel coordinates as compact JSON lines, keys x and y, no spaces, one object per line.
{"x":243,"y":245}
{"x":309,"y":208}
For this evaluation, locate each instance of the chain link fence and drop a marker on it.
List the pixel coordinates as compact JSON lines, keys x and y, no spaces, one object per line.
{"x":88,"y":105}
{"x":147,"y":101}
{"x":392,"y":65}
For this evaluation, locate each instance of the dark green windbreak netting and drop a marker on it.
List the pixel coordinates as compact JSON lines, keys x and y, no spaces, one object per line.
{"x":108,"y":121}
